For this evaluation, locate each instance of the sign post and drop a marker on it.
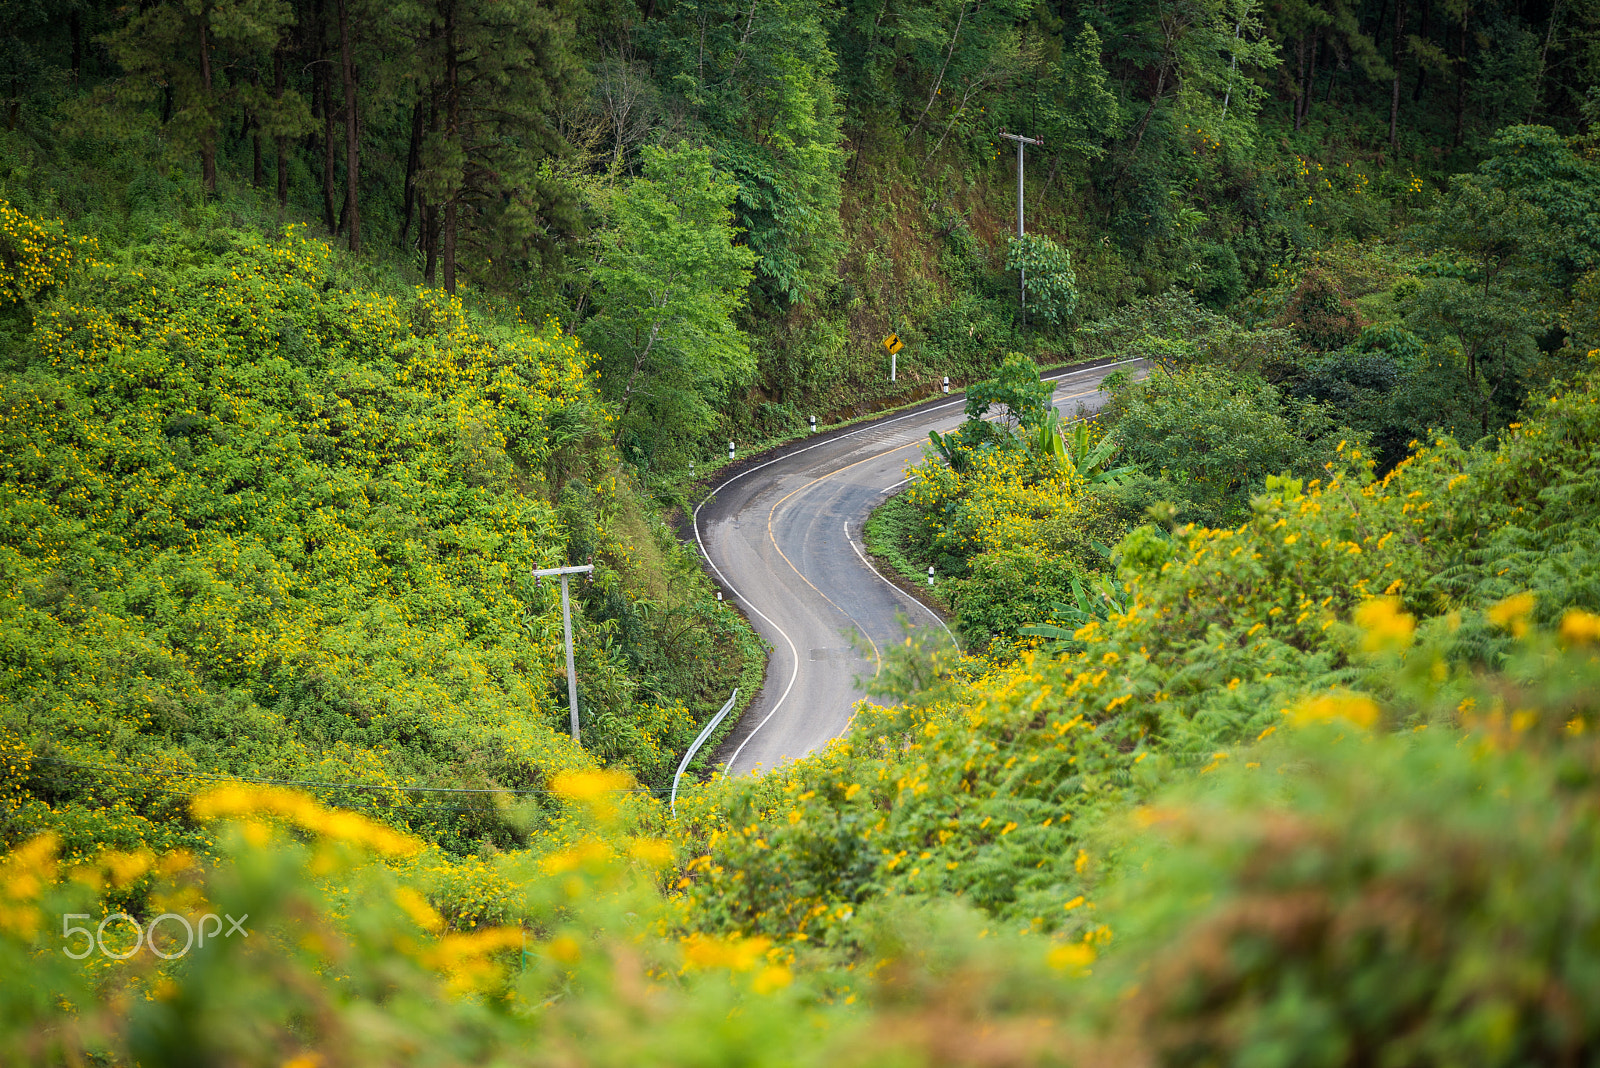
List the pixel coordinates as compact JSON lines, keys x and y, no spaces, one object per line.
{"x":894,"y":345}
{"x":566,"y":629}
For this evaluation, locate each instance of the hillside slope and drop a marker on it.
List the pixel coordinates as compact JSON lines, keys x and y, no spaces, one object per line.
{"x":262,"y":520}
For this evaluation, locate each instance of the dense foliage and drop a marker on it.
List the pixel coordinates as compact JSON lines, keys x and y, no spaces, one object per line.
{"x":1380,"y":601}
{"x":262,"y":522}
{"x":1375,"y":348}
{"x":1271,"y":810}
{"x":1273,"y":739}
{"x":1211,"y":145}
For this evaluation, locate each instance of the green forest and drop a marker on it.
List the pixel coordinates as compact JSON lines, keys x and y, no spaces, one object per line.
{"x":1273,"y":715}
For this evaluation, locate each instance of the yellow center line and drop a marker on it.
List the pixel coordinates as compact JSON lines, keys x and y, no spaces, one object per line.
{"x":876,"y":654}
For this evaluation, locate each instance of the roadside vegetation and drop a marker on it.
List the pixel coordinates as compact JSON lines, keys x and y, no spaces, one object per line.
{"x":265,"y":521}
{"x":1019,"y":513}
{"x":1272,"y":733}
{"x":1292,"y":797}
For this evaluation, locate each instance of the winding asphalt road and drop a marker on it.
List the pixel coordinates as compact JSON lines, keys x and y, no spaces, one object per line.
{"x":784,"y":539}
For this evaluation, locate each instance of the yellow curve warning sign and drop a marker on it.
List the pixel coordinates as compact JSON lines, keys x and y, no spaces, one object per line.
{"x":893,"y":343}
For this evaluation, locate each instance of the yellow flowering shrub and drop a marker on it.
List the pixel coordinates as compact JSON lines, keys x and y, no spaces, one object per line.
{"x":1312,"y":614}
{"x":256,"y":523}
{"x":35,"y":254}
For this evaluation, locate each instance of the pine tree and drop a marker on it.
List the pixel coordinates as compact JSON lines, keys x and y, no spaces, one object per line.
{"x":490,"y":79}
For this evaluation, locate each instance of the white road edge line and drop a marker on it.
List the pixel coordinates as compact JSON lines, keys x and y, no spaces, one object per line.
{"x":896,"y":486}
{"x":794,"y":652}
{"x":695,"y":521}
{"x":891,"y":585}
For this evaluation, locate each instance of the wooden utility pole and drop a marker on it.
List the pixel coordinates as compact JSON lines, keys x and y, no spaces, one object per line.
{"x":1022,"y":142}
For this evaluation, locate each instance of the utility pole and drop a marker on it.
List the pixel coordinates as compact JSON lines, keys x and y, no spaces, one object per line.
{"x":566,"y":628}
{"x":1023,"y":274}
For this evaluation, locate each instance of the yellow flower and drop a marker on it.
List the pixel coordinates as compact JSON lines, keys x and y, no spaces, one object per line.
{"x":1353,"y":708}
{"x":1074,"y":957}
{"x":1580,"y":627}
{"x":1384,"y":626}
{"x":653,"y":851}
{"x":734,"y":953}
{"x":464,"y":958}
{"x":596,"y":790}
{"x":1512,"y":613}
{"x":589,"y":785}
{"x":416,"y":906}
{"x":773,"y":977}
{"x":302,"y":811}
{"x":565,"y":949}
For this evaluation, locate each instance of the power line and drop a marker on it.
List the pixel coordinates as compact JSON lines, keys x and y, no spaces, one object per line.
{"x":311,"y":783}
{"x":308,"y":783}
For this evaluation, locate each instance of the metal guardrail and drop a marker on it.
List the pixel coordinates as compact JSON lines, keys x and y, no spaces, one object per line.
{"x":695,"y":748}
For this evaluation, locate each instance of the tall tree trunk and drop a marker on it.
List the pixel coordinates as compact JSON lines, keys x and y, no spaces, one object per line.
{"x":633,"y":376}
{"x":1423,"y":31}
{"x":449,"y":241}
{"x":413,"y":160}
{"x":208,"y":135}
{"x":1311,"y":77}
{"x":1394,"y":61}
{"x":1233,"y":67}
{"x":430,"y":211}
{"x":1461,"y":84}
{"x":452,"y":133}
{"x":1161,"y":88}
{"x":430,"y":243}
{"x":352,"y":130}
{"x":258,"y":176}
{"x":278,"y":86}
{"x":329,"y":158}
{"x":1544,"y":54}
{"x":75,"y":30}
{"x":323,"y":93}
{"x":938,"y":82}
{"x":1299,"y":80}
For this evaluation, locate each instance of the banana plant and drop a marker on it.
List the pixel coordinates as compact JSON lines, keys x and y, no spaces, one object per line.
{"x":948,"y":448}
{"x":1095,"y":602}
{"x":1089,"y":461}
{"x":1072,"y":452}
{"x":1046,"y":441}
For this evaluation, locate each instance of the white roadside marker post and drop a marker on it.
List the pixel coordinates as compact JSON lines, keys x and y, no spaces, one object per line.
{"x":947,"y":383}
{"x":730,"y":449}
{"x":566,"y":630}
{"x":930,"y":574}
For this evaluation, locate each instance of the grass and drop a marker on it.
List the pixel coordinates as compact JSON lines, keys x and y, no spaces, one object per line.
{"x":889,"y":535}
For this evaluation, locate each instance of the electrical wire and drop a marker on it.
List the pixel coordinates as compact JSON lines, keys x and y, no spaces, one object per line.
{"x":305,"y":783}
